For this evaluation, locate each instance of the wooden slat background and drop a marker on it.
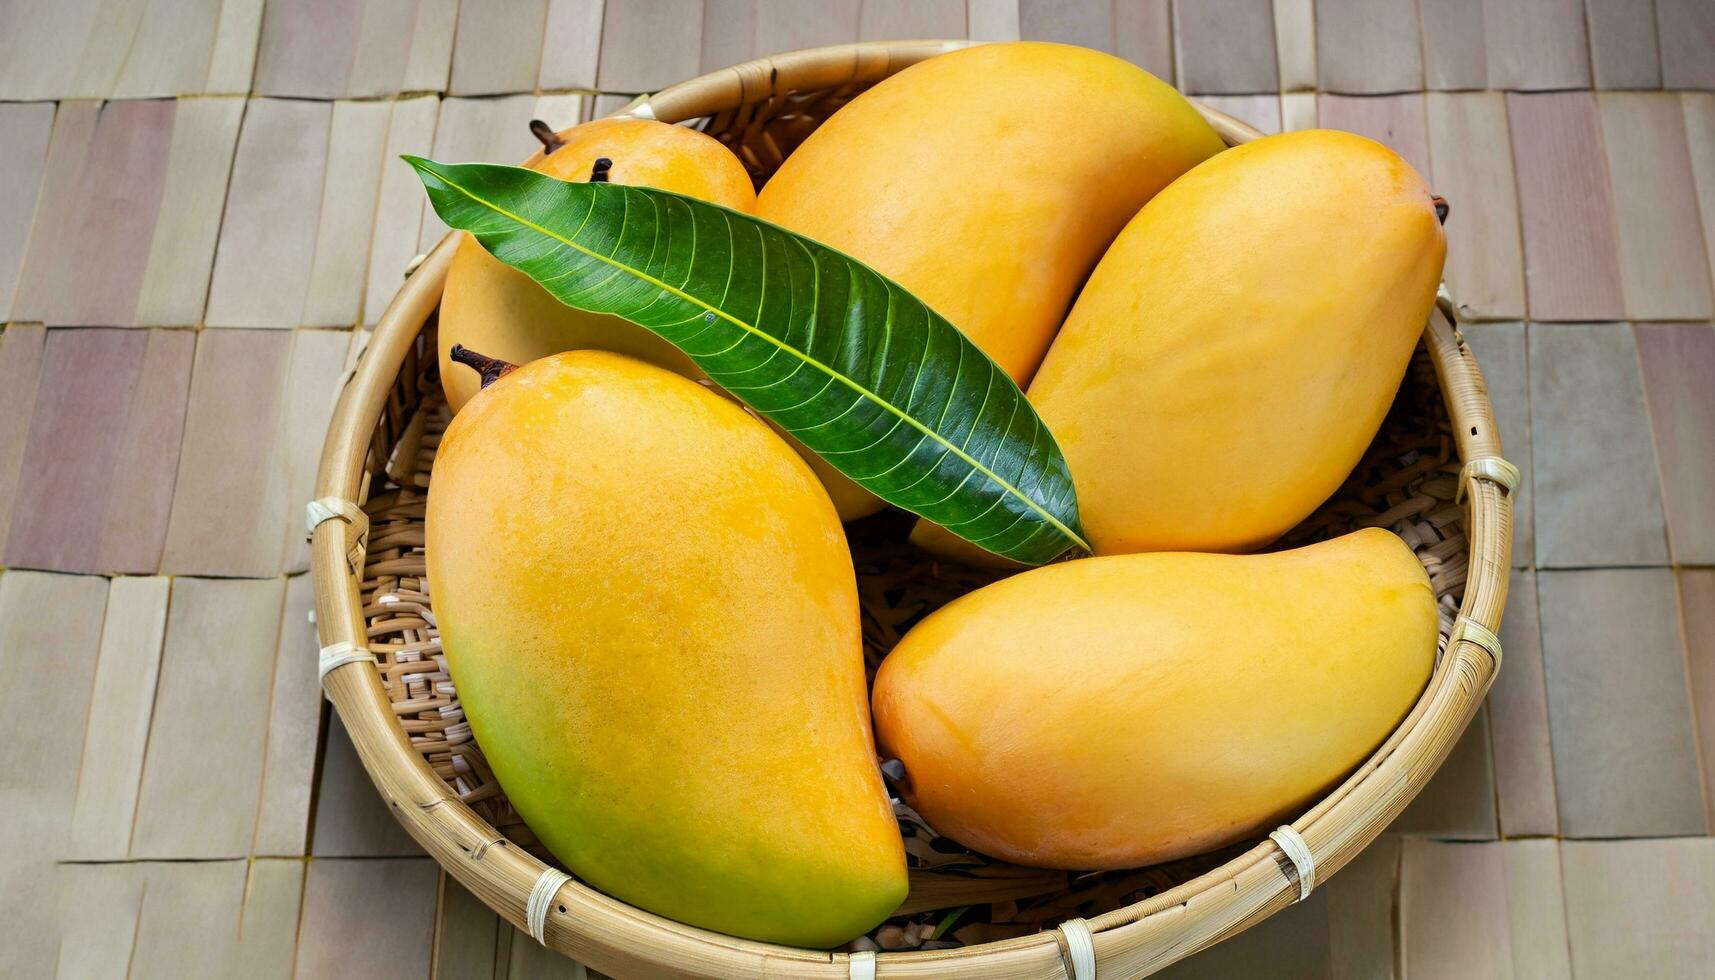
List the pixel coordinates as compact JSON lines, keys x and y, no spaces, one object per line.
{"x":203,"y":206}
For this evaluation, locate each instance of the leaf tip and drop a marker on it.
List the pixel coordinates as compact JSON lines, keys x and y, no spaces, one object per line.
{"x":429,"y":172}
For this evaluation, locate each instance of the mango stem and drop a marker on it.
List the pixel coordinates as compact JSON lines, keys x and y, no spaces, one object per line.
{"x":598,"y":174}
{"x":550,"y":140}
{"x":492,"y":369}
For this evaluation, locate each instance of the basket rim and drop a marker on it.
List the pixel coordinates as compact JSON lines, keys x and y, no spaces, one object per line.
{"x":1131,"y":941}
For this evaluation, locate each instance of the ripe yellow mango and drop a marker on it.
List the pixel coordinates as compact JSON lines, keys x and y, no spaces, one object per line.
{"x":1116,"y":712}
{"x":493,"y":308}
{"x":988,"y":181}
{"x":1236,"y":349}
{"x":648,"y":605}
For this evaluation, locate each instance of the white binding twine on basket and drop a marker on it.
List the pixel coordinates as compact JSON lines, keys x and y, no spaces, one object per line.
{"x":319,"y":512}
{"x":342,"y":653}
{"x":1293,"y":846}
{"x":1080,"y":948}
{"x":541,"y":897}
{"x":862,"y":965}
{"x":1491,"y":468}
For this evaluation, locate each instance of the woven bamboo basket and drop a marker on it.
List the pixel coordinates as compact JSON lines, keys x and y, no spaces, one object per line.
{"x":1434,"y":475}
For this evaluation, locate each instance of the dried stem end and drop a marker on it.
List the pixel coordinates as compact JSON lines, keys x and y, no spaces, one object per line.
{"x":598,"y":174}
{"x":550,"y":140}
{"x":492,"y":369}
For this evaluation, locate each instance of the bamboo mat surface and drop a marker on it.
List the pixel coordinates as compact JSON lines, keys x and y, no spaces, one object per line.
{"x":203,"y":207}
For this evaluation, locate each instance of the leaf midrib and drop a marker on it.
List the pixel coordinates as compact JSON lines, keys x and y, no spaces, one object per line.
{"x":839,"y":376}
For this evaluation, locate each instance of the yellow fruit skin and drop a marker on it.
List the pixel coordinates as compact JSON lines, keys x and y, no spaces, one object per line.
{"x":1116,"y":712}
{"x":988,"y":181}
{"x":649,"y":608}
{"x":1236,"y":349}
{"x":498,"y":311}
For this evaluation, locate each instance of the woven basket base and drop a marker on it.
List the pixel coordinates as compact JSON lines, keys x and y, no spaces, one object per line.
{"x":1406,"y":482}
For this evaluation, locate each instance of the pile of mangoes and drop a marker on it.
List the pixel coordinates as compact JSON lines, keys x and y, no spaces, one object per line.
{"x":646,"y":594}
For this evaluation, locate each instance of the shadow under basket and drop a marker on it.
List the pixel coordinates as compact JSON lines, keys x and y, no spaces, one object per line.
{"x":1434,"y":476}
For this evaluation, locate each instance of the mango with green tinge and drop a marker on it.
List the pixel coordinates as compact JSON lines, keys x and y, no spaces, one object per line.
{"x":649,"y":609}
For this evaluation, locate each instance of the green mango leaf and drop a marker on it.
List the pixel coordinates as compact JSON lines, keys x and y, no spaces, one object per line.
{"x":846,"y":360}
